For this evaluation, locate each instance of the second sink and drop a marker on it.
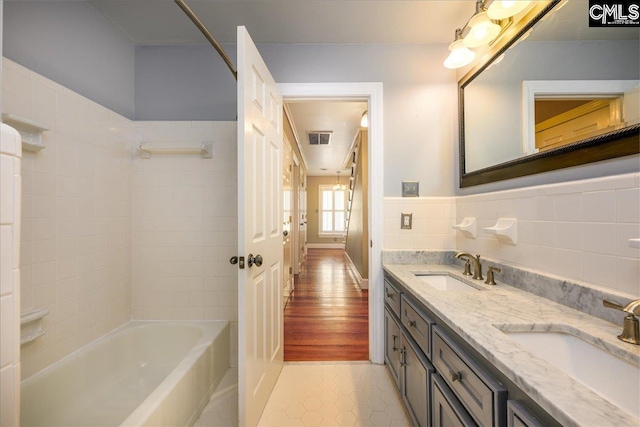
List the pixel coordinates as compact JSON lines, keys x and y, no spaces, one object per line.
{"x":445,"y":283}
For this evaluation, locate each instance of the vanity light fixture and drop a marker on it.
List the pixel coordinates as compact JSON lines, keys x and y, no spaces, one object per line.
{"x":482,"y":30}
{"x":460,"y":55}
{"x":503,"y":9}
{"x":364,"y":121}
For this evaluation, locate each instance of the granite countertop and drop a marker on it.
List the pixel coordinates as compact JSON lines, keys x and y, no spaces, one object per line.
{"x":480,"y":317}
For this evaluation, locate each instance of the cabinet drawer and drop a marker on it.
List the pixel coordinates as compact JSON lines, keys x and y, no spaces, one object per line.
{"x":480,"y":394}
{"x":446,"y":409}
{"x":519,"y":416}
{"x":418,"y":324}
{"x":416,"y":382}
{"x":392,"y":345}
{"x":392,"y":297}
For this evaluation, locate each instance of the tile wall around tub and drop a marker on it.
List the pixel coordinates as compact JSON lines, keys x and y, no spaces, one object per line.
{"x":76,"y":216}
{"x":10,"y":205}
{"x":577,"y":230}
{"x":432,"y":220}
{"x":185,"y":225}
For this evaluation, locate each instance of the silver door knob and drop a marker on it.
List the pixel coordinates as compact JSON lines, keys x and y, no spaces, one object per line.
{"x":257,"y":260}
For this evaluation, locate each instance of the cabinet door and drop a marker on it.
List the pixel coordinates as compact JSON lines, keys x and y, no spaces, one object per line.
{"x":519,"y":416}
{"x":446,"y":409}
{"x":416,"y":382}
{"x":392,"y":345}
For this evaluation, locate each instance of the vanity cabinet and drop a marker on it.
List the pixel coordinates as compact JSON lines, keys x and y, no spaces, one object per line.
{"x":447,"y":410}
{"x":392,"y":297}
{"x":416,"y":384}
{"x":484,"y":397}
{"x":417,"y":324}
{"x":519,"y":416}
{"x":392,"y":345}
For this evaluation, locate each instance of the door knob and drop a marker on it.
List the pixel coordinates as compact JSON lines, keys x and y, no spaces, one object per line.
{"x":285,"y":233}
{"x":257,"y":260}
{"x":233,"y":260}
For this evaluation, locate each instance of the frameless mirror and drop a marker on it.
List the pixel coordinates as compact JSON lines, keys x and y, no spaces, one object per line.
{"x":558,"y":94}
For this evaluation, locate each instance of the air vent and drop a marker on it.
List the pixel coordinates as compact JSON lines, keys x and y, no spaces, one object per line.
{"x":319,"y":137}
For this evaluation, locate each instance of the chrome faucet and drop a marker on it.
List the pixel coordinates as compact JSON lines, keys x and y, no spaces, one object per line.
{"x":477,"y":267}
{"x":630,"y":331}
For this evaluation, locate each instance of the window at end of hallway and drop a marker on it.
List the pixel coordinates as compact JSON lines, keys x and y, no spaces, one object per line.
{"x":333,"y":214}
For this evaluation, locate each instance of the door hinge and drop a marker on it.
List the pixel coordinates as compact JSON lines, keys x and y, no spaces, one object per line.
{"x":290,"y":270}
{"x":371,"y":243}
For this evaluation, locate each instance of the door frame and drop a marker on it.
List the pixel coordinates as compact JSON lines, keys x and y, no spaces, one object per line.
{"x":371,"y":92}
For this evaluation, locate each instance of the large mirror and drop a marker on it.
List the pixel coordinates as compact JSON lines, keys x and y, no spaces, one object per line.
{"x":558,"y":94}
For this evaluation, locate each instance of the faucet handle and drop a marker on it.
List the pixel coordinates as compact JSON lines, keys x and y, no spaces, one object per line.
{"x":613,"y":305}
{"x":632,"y":308}
{"x":490,"y":275}
{"x":467,"y":268}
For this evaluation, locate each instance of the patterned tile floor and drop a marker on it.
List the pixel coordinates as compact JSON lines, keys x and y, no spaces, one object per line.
{"x":321,"y":394}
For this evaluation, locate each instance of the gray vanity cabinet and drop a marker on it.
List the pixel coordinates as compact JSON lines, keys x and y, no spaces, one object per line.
{"x":484,"y":397}
{"x":447,"y":410}
{"x":417,"y":324}
{"x":416,"y":384}
{"x":392,"y":345}
{"x":392,"y":297}
{"x":519,"y":416}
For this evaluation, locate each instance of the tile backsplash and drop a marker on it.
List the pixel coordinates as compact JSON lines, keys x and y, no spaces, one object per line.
{"x":577,"y":230}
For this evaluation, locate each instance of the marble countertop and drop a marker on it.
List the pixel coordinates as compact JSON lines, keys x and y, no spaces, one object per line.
{"x":479,"y":317}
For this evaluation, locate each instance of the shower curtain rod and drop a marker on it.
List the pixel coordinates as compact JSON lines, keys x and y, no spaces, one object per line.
{"x":205,"y":32}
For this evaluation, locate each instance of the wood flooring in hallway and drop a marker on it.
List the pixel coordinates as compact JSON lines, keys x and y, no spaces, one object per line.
{"x":327,"y":317}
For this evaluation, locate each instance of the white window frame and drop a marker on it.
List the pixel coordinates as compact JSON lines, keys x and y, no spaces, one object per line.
{"x":325,"y":187}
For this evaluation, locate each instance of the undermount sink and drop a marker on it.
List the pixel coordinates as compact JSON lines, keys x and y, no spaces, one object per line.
{"x":611,"y":377}
{"x":445,"y":283}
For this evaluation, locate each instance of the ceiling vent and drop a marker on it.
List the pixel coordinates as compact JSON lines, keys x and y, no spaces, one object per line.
{"x":317,"y":137}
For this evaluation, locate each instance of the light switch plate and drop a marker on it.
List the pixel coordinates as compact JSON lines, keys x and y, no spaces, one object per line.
{"x":410,"y":188}
{"x":406,"y":220}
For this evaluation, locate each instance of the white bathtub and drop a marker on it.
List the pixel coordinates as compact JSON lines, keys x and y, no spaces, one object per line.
{"x":142,"y":374}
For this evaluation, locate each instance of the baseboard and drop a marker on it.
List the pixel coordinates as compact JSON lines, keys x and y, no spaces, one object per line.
{"x":363,"y":283}
{"x":325,"y":245}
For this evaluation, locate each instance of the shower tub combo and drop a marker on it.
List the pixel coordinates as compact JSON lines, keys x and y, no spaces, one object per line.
{"x":142,"y":374}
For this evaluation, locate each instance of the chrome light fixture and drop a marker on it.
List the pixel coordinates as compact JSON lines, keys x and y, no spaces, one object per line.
{"x":503,"y":9}
{"x":482,"y":30}
{"x":460,"y":55}
{"x":364,"y":120}
{"x":486,"y":24}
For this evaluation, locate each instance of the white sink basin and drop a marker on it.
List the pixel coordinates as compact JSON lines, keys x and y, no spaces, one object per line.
{"x":445,"y":283}
{"x":611,"y":377}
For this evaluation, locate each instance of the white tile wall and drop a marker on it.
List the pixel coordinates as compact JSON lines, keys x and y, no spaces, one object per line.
{"x":76,"y":216}
{"x":578,"y":230}
{"x":10,"y":183}
{"x":432,"y":221}
{"x":185,"y":225}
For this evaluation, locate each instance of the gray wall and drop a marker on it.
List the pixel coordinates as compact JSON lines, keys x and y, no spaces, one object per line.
{"x":420,"y":105}
{"x":71,"y":43}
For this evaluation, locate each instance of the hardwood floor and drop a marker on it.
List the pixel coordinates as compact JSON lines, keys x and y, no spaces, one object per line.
{"x":327,"y":317}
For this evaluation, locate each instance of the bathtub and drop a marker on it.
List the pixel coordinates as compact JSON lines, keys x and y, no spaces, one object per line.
{"x":142,"y":374}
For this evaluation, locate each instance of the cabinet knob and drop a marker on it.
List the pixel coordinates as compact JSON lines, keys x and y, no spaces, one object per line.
{"x":389,"y":295}
{"x":455,"y":376}
{"x":412,"y":323}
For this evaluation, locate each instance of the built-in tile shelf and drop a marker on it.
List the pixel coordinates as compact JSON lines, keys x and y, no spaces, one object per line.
{"x":505,"y":230}
{"x":634,"y":243}
{"x":30,"y":131}
{"x":467,"y":227}
{"x":31,"y":325}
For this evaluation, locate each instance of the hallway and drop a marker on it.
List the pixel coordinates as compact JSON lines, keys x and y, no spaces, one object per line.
{"x":326,"y":318}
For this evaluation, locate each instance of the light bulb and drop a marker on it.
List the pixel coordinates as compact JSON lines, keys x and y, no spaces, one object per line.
{"x":503,"y":9}
{"x":482,"y":31}
{"x":459,"y":56}
{"x":364,"y":121}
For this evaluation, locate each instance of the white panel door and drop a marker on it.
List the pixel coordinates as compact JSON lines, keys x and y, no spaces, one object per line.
{"x":260,"y":315}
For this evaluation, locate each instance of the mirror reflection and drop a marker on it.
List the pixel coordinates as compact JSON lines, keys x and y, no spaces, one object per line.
{"x":560,"y":84}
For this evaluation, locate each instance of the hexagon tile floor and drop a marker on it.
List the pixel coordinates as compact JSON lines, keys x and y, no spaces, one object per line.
{"x":324,"y":394}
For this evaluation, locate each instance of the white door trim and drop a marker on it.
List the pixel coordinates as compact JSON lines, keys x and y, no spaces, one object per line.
{"x":372,"y":92}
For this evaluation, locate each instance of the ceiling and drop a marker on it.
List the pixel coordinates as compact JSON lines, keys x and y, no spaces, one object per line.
{"x":342,"y":118}
{"x":156,"y":22}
